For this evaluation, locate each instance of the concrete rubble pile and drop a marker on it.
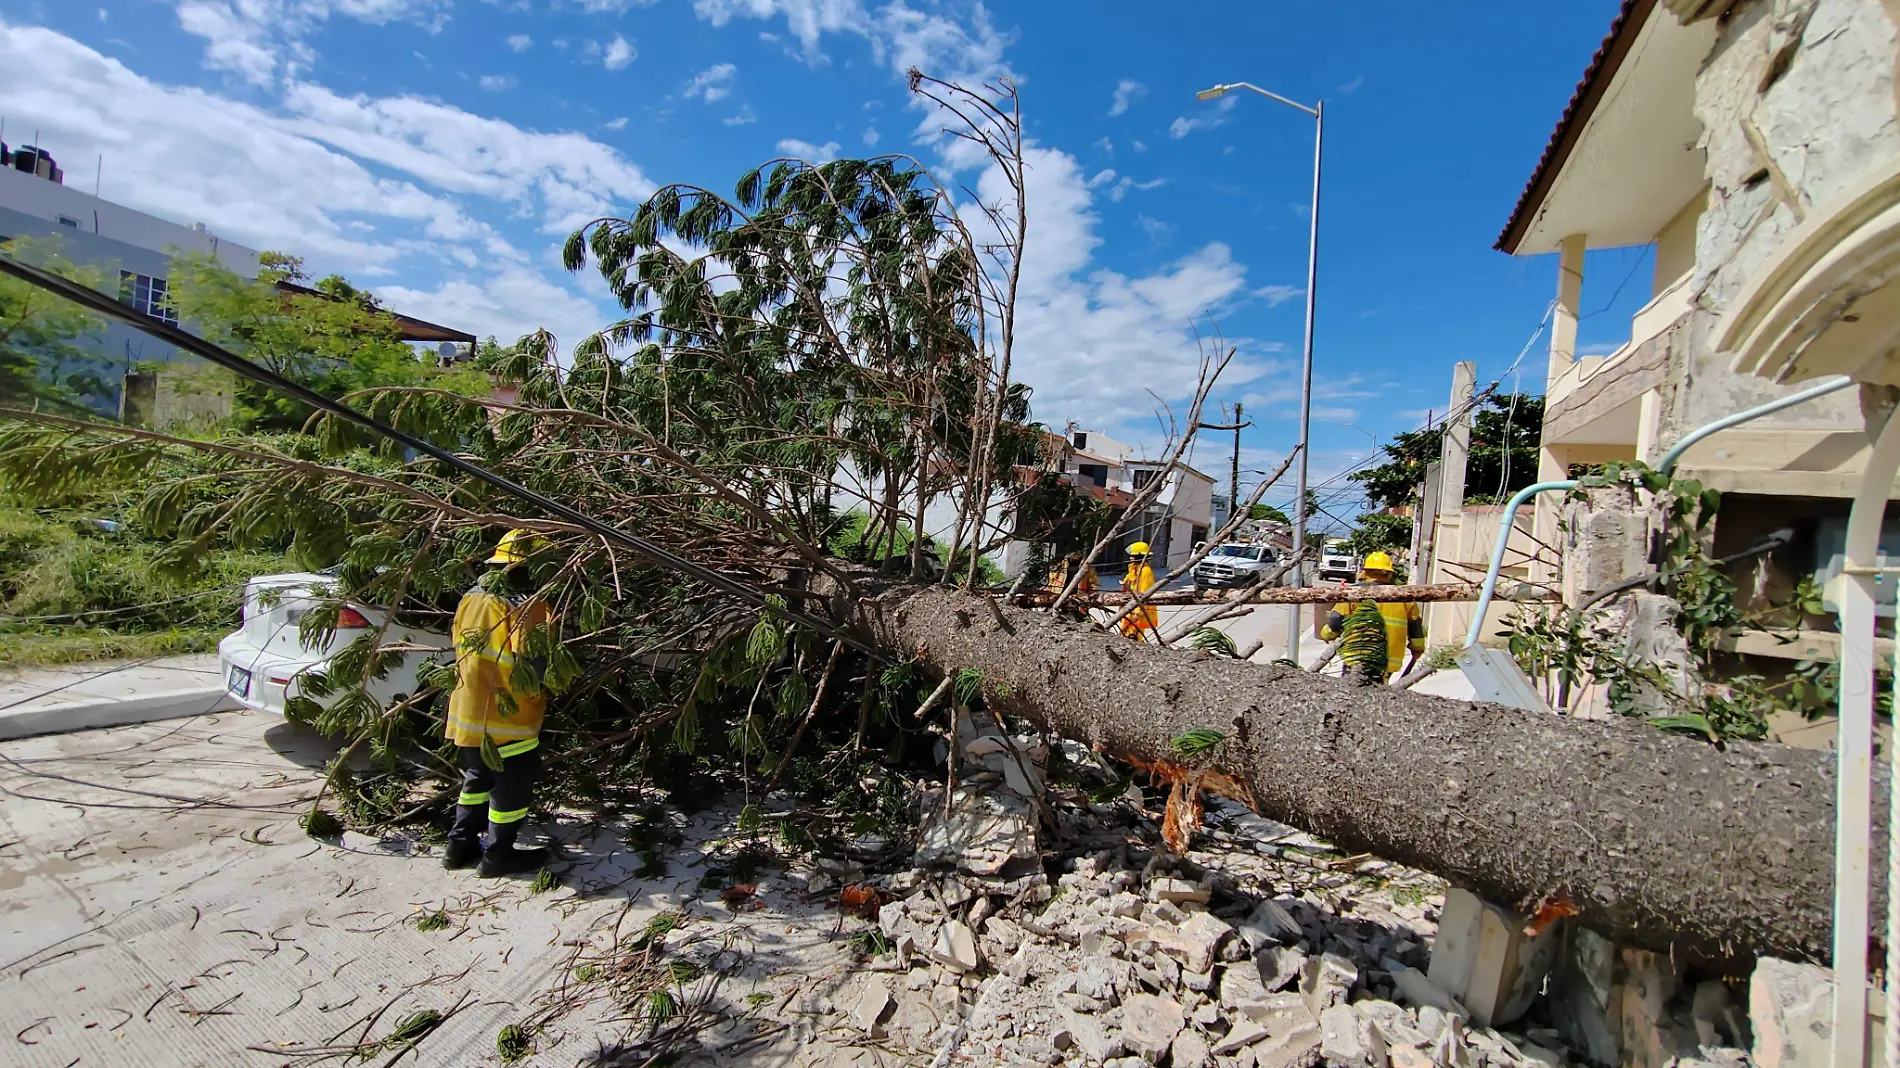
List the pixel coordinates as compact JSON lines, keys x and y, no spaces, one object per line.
{"x":1259,"y":948}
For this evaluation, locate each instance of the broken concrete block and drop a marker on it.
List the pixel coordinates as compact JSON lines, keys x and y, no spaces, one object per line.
{"x":1417,"y":988}
{"x":1342,"y":1038}
{"x":1283,"y":1013}
{"x":1325,"y":981}
{"x":1125,"y":905}
{"x":985,"y":831}
{"x":1483,"y":958}
{"x":1791,"y":1008}
{"x":1150,"y":1023}
{"x":1195,"y":942}
{"x":1241,"y":987}
{"x":1095,"y":1041}
{"x":1713,"y":1010}
{"x":1582,"y":1004}
{"x":1297,"y":1048}
{"x":1410,"y":1057}
{"x":1450,"y":1049}
{"x":1280,"y":965}
{"x":1269,"y":924}
{"x":1244,"y":1033}
{"x":955,"y":947}
{"x":1189,"y":1051}
{"x":874,"y":999}
{"x":1646,"y":1035}
{"x":1178,"y":891}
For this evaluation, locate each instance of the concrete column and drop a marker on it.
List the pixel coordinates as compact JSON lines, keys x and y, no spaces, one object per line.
{"x":1483,"y":958}
{"x":1551,"y":467}
{"x":1563,"y":321}
{"x":1451,"y":463}
{"x":1648,"y":424}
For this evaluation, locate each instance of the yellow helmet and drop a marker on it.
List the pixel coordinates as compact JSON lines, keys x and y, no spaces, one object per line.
{"x":1377,"y":562}
{"x":1139,"y":548}
{"x":513,"y":548}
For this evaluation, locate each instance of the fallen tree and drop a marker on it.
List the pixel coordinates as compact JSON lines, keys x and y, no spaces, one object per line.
{"x":1655,"y":839}
{"x":805,"y":391}
{"x":1442,"y":591}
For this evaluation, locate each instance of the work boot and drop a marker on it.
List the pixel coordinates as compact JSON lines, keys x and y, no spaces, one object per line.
{"x":507,"y":860}
{"x":461,"y":854}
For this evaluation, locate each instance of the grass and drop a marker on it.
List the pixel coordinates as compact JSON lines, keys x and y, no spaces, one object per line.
{"x":71,"y":592}
{"x":37,"y":647}
{"x":512,"y":1044}
{"x":432,"y":921}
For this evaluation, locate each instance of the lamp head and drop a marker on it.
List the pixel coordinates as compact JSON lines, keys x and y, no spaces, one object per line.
{"x":1215,"y":93}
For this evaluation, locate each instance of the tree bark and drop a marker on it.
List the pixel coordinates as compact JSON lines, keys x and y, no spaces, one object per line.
{"x":1441,"y":591}
{"x":1658,"y":840}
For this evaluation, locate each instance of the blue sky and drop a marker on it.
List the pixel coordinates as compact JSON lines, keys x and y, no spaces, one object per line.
{"x":438,"y":150}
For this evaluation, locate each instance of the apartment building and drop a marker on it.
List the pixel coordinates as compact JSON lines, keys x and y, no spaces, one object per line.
{"x":1711,"y":130}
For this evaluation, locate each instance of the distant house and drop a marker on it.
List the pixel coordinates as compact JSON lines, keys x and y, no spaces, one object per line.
{"x":1176,"y":520}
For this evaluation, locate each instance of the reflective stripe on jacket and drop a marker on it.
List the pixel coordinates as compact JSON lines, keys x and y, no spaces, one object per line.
{"x":489,"y":633}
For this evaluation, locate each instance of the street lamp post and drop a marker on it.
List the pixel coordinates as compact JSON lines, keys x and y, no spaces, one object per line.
{"x":1318,"y":111}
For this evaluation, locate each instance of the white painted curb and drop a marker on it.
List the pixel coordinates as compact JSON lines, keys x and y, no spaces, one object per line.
{"x":93,"y":712}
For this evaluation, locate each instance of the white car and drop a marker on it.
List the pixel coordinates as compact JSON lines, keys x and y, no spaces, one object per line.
{"x":263,"y":661}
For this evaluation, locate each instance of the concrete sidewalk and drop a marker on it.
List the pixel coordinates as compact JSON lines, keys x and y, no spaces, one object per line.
{"x":109,"y":693}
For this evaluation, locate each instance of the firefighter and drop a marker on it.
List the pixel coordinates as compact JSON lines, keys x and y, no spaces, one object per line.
{"x":490,"y":709}
{"x":1404,"y":625}
{"x":1140,"y":624}
{"x":1059,"y":575}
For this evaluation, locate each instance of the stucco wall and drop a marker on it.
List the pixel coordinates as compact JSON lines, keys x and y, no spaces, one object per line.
{"x":1675,"y":244}
{"x":1823,"y":123}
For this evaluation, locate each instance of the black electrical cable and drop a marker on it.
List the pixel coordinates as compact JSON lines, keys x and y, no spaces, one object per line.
{"x":95,"y":301}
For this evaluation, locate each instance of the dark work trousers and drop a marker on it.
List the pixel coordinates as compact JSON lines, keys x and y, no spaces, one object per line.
{"x":496,"y":798}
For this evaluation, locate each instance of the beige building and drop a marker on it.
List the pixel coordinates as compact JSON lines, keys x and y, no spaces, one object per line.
{"x":1711,"y":130}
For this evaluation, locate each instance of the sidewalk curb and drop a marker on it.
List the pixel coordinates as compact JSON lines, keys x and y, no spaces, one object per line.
{"x":65,"y":717}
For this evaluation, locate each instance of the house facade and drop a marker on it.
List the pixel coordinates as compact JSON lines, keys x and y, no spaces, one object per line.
{"x":1710,"y":130}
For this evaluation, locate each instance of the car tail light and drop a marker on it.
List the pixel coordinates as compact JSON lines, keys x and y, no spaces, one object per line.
{"x":275,"y":681}
{"x":350,"y":618}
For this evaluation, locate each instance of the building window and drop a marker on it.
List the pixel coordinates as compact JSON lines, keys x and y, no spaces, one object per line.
{"x":1096,"y":473}
{"x":147,"y":294}
{"x":1081,"y":439}
{"x":67,"y":220}
{"x":1142,"y":478}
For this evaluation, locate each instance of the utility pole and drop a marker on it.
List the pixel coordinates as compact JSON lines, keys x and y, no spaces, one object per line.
{"x":1318,"y":112}
{"x":1233,"y":470}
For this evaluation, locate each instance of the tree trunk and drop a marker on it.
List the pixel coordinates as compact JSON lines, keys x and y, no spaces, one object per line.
{"x":1657,"y":839}
{"x":1441,"y":591}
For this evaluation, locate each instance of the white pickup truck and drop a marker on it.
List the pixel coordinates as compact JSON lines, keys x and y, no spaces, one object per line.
{"x":1337,"y":562}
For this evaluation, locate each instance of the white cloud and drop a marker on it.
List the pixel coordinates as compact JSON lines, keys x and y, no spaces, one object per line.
{"x":870,"y":136}
{"x":901,"y":37}
{"x":1091,"y":342}
{"x":745,"y":116}
{"x":618,"y":53}
{"x":495,"y":83}
{"x":1156,"y":230}
{"x":1278,"y":295}
{"x":615,"y":124}
{"x":507,"y":304}
{"x":1126,"y":183}
{"x":1141,"y":146}
{"x":809,"y":152}
{"x":262,"y":40}
{"x":290,"y":175}
{"x":1182,"y":125}
{"x":613,"y":7}
{"x":1126,"y":91}
{"x":712,"y":84}
{"x":520,"y":42}
{"x":1352,"y":87}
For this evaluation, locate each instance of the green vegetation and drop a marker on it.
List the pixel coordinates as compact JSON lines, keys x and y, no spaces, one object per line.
{"x":432,"y":921}
{"x":41,"y":363}
{"x":1502,"y":459}
{"x":512,"y":1043}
